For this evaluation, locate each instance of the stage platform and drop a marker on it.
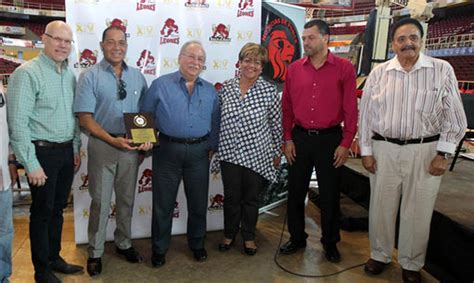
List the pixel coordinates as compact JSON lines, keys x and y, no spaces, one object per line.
{"x":450,"y":255}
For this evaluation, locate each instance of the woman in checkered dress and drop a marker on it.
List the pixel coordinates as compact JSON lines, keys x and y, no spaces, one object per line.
{"x":249,"y":144}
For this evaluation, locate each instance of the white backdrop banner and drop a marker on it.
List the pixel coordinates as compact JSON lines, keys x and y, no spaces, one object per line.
{"x":156,"y":30}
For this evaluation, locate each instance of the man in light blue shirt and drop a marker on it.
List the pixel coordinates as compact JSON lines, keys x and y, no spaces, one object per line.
{"x":186,"y":113}
{"x":104,"y":93}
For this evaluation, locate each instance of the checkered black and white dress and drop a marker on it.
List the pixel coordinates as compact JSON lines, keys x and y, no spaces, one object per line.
{"x":251,"y":132}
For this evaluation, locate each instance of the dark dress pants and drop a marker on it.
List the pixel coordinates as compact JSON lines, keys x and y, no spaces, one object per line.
{"x":48,"y":202}
{"x":314,"y":151}
{"x":241,"y":190}
{"x":171,"y":163}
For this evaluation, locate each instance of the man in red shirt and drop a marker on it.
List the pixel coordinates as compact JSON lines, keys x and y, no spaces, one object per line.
{"x":319,"y":94}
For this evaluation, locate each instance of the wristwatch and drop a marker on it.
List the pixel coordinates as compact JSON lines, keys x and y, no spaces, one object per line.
{"x":445,"y":155}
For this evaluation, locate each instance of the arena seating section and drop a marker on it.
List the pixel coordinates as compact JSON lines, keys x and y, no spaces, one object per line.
{"x":346,"y":30}
{"x":7,"y":66}
{"x":451,"y":26}
{"x":38,"y":4}
{"x":463,"y":67}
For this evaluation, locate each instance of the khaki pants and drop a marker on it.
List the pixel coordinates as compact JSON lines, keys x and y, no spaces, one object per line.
{"x":110,"y":169}
{"x":402,"y":171}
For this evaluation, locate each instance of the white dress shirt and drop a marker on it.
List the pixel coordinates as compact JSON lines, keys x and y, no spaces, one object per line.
{"x":410,"y":105}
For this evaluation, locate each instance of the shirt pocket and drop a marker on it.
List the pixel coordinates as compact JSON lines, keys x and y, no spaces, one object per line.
{"x":427,"y":100}
{"x":428,"y":107}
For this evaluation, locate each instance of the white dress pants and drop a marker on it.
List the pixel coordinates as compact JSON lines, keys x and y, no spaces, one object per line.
{"x":402,"y":172}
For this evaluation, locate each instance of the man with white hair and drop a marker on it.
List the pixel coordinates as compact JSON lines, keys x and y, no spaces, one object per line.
{"x":186,"y":112}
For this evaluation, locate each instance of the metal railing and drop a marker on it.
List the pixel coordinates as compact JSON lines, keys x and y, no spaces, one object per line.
{"x":34,"y":5}
{"x":452,"y":41}
{"x":466,"y":85}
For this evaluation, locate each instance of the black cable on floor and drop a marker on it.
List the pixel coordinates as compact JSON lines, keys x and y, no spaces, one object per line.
{"x":277,"y":252}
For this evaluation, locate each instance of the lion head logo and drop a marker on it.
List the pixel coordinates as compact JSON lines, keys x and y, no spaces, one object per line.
{"x":146,"y":60}
{"x":122,"y":24}
{"x":217,"y":202}
{"x":144,"y":184}
{"x":221,"y":31}
{"x":280,"y":53}
{"x":170,"y":27}
{"x":243,"y":4}
{"x":87,"y":58}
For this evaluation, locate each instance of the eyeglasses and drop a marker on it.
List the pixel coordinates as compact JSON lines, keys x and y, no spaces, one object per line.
{"x":200,"y":59}
{"x":249,"y":61}
{"x":59,"y":40}
{"x":122,"y":92}
{"x":2,"y":100}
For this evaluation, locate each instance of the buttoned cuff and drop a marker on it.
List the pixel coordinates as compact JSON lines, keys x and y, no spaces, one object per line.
{"x":446,"y":147}
{"x":366,"y":151}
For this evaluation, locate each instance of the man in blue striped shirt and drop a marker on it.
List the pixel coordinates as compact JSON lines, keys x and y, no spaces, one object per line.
{"x":186,"y":112}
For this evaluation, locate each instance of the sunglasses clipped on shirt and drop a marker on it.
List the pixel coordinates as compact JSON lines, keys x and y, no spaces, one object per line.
{"x":121,"y":91}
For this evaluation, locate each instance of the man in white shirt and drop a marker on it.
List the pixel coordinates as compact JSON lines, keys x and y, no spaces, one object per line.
{"x":411,"y":120}
{"x":6,"y":225}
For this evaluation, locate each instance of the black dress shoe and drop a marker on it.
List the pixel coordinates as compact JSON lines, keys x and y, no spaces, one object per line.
{"x":374,"y":267}
{"x":158,"y":260}
{"x":291,"y":247}
{"x":200,"y":254}
{"x":250,"y":251}
{"x":60,"y":265}
{"x":225,"y":247}
{"x":410,"y":276}
{"x":47,"y":277}
{"x":94,"y":266}
{"x":331,"y":253}
{"x":131,"y":255}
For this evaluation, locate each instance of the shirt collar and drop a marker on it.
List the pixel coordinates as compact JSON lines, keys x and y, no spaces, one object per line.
{"x":422,"y":62}
{"x":51,"y":63}
{"x":106,"y":65}
{"x":329,"y":59}
{"x":180,"y":78}
{"x":258,"y":82}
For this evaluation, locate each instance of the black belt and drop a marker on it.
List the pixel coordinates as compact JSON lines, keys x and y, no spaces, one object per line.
{"x":318,"y":132}
{"x":379,"y":137}
{"x":117,"y":135}
{"x":183,"y":140}
{"x":53,"y":144}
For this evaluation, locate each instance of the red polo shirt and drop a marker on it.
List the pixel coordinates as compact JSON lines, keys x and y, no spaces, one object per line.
{"x":320,"y":98}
